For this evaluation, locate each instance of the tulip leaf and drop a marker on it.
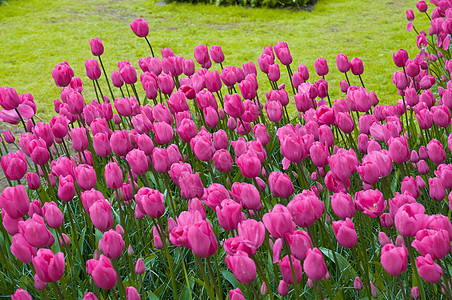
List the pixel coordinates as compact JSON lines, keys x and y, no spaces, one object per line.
{"x":344,"y":264}
{"x":44,"y":195}
{"x":231,"y":278}
{"x":151,"y":295}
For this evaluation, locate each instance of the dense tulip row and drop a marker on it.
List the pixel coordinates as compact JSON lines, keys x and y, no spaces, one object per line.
{"x":144,"y":194}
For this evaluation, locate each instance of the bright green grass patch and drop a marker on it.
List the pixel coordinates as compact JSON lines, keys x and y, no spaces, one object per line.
{"x":38,"y":34}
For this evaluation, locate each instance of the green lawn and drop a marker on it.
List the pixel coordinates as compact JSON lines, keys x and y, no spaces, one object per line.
{"x":38,"y":34}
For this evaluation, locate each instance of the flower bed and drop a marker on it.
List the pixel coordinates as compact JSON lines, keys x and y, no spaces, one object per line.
{"x":144,"y":193}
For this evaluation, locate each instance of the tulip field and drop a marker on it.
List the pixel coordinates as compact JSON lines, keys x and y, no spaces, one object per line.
{"x":185,"y":178}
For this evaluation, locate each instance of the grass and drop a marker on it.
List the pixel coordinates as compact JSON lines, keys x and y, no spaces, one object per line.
{"x":38,"y":34}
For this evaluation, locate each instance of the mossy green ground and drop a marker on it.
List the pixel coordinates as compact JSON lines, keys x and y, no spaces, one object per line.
{"x":38,"y":34}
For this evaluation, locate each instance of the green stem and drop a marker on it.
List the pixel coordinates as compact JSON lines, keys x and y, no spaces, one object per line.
{"x":150,"y":47}
{"x":58,"y":290}
{"x":295,"y":284}
{"x":106,"y":79}
{"x":203,"y":274}
{"x":263,"y":276}
{"x":119,"y":283}
{"x":168,"y":257}
{"x":212,"y":278}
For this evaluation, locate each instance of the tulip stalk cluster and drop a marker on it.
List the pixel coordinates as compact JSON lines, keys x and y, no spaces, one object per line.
{"x":227,"y":197}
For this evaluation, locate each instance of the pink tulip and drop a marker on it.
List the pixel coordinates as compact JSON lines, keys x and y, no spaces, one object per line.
{"x":357,"y":66}
{"x":229,"y":214}
{"x":358,"y":284}
{"x":52,"y":215}
{"x":306,"y":208}
{"x":286,"y":270}
{"x":138,"y":161}
{"x":216,"y":54}
{"x":409,"y":219}
{"x":321,"y":66}
{"x":273,"y":72}
{"x":278,"y":221}
{"x":369,"y":172}
{"x":177,"y":102}
{"x":343,"y":65}
{"x":249,"y":164}
{"x":35,"y":208}
{"x":160,"y":160}
{"x":436,"y":152}
{"x":112,"y":244}
{"x":195,"y":205}
{"x":345,"y":233}
{"x":49,"y":266}
{"x":236,"y":294}
{"x":398,"y":149}
{"x":261,"y":134}
{"x":319,"y":154}
{"x":191,"y":186}
{"x":101,"y":144}
{"x":242,"y":266}
{"x":202,"y":147}
{"x":370,"y":202}
{"x":163,"y":133}
{"x":132,"y":293}
{"x":101,"y":215}
{"x":140,"y":27}
{"x":90,"y":296}
{"x":62,"y":74}
{"x":14,"y":165}
{"x":120,"y":142}
{"x":428,"y":270}
{"x":21,"y":249}
{"x":293,"y":147}
{"x":90,"y":197}
{"x":104,"y":275}
{"x":274,"y":111}
{"x":139,"y":266}
{"x":386,"y":220}
{"x":280,"y":185}
{"x":35,"y":232}
{"x":150,"y":202}
{"x":394,"y":259}
{"x":177,"y":169}
{"x":202,"y":55}
{"x":283,"y":288}
{"x":247,"y":194}
{"x":97,"y":49}
{"x":214,"y":195}
{"x":15,"y":201}
{"x":437,"y":190}
{"x":438,"y":222}
{"x":238,"y":243}
{"x":253,"y":232}
{"x":202,"y":240}
{"x":85,"y":176}
{"x":33,"y":181}
{"x":314,"y":265}
{"x":11,"y":225}
{"x":410,"y":185}
{"x":299,"y":242}
{"x":220,"y":139}
{"x":343,"y":164}
{"x":433,"y":242}
{"x":92,"y":69}
{"x":113,"y":176}
{"x":21,"y":294}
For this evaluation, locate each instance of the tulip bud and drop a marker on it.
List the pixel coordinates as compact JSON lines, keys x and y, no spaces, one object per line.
{"x":358,"y":284}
